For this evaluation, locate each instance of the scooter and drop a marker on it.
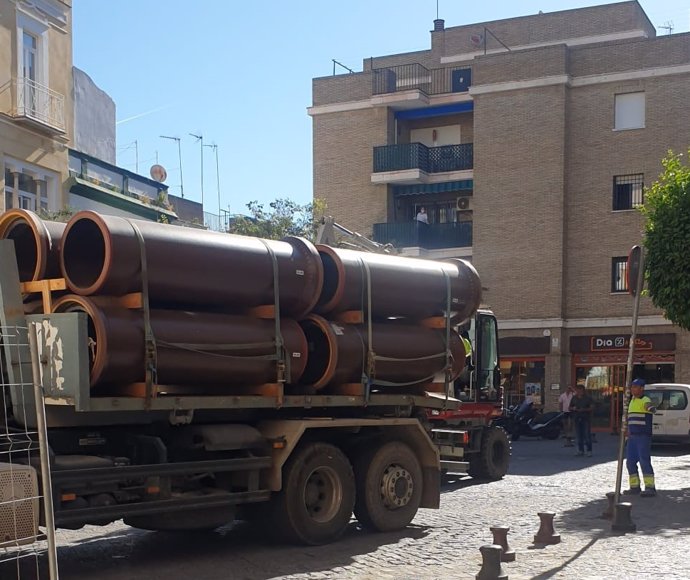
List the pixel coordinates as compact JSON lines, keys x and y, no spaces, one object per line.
{"x":523,"y":419}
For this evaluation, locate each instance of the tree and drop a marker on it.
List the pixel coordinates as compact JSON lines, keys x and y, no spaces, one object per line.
{"x":667,"y":240}
{"x":283,"y":218}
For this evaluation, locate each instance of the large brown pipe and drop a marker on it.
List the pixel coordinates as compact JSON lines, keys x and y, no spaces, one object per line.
{"x":193,"y":349}
{"x":36,"y":243}
{"x":186,"y":266}
{"x":407,"y":287}
{"x":338,"y":353}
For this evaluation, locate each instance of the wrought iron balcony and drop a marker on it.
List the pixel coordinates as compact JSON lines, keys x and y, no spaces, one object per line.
{"x":430,"y":237}
{"x":427,"y":159}
{"x":38,"y":104}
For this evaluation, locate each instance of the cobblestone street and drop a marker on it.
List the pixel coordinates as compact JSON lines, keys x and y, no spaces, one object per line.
{"x":443,"y":543}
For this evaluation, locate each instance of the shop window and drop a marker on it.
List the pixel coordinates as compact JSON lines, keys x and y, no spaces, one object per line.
{"x":628,"y":191}
{"x":629,"y":111}
{"x":522,"y":379}
{"x":619,"y":274}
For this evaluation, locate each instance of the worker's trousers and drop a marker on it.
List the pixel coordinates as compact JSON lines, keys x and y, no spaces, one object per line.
{"x":639,"y":451}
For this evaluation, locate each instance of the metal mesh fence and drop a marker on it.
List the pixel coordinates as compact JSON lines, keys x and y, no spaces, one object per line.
{"x":26,"y":551}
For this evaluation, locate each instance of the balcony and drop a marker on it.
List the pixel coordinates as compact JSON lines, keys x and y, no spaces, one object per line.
{"x":414,"y":162}
{"x":37,"y":105}
{"x":430,"y":237}
{"x":411,"y":85}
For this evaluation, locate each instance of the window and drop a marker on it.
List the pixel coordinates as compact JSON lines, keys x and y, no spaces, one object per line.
{"x":627,"y":191}
{"x":629,"y":111}
{"x":30,"y":56}
{"x":29,"y":187}
{"x":668,"y":400}
{"x":619,"y":274}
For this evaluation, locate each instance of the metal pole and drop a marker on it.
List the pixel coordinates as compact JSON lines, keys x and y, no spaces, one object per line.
{"x":179,"y":155}
{"x":42,"y":431}
{"x":200,"y":138}
{"x":639,"y":282}
{"x":217,"y":177}
{"x":214,"y":146}
{"x":136,"y":153}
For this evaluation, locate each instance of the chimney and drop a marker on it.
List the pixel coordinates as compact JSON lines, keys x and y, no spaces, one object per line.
{"x":439,"y":24}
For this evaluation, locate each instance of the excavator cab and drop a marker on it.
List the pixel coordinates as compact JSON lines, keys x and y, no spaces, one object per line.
{"x":480,"y":382}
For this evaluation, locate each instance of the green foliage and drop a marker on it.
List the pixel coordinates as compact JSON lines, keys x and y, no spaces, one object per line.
{"x":61,"y":215}
{"x":667,"y":240}
{"x":283,"y":217}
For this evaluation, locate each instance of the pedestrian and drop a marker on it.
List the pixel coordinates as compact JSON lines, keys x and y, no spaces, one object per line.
{"x":564,"y":407}
{"x":422,"y":216}
{"x":581,"y":413}
{"x":640,"y":412}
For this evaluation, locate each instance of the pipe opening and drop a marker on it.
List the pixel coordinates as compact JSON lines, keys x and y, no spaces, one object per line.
{"x":83,"y":253}
{"x":26,"y":249}
{"x":319,"y":353}
{"x":331,"y":277}
{"x":90,"y":329}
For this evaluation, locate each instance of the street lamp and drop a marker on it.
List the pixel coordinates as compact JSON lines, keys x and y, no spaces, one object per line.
{"x":179,"y":154}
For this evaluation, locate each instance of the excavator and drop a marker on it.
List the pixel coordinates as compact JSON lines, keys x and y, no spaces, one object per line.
{"x":469,"y":442}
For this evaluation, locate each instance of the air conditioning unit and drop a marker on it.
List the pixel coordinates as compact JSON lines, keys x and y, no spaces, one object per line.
{"x":19,"y":505}
{"x":463,"y":203}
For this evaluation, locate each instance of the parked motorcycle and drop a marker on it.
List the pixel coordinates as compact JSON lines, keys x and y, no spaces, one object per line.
{"x":524,"y":419}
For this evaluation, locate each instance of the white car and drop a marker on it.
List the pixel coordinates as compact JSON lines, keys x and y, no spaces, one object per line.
{"x":671,"y":421}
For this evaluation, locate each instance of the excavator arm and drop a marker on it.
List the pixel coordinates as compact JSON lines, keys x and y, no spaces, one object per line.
{"x":329,"y":231}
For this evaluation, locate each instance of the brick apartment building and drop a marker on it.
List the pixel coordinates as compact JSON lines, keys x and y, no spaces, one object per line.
{"x":529,"y":142}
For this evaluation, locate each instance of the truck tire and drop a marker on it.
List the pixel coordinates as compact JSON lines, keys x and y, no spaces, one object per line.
{"x":491,"y":463}
{"x":315,"y":504}
{"x":389,"y":487}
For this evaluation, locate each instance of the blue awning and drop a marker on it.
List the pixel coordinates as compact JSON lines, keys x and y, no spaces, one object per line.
{"x":439,"y":111}
{"x":431,"y":188}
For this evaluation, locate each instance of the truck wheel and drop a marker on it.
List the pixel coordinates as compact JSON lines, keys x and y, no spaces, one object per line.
{"x":492,"y":461}
{"x":315,"y":504}
{"x":389,"y":487}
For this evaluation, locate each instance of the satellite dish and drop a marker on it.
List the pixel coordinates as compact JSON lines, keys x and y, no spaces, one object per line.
{"x":477,"y":39}
{"x":158,"y":173}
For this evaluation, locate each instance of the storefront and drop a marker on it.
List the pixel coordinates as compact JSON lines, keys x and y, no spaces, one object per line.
{"x":523,"y":364}
{"x":599,"y":362}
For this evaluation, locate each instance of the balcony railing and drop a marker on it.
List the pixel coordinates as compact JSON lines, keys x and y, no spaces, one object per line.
{"x":430,"y":237}
{"x":427,"y":159}
{"x":415,"y":76}
{"x":39,"y":103}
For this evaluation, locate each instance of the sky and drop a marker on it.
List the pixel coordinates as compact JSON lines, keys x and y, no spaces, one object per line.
{"x":239,"y":73}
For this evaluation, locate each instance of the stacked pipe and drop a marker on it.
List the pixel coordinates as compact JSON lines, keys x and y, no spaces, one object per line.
{"x":389,"y":348}
{"x":201,"y":291}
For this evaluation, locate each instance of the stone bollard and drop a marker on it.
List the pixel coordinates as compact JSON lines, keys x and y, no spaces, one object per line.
{"x":622,"y":519}
{"x":501,"y":539}
{"x":607,"y":514}
{"x":491,"y":564}
{"x":546,"y":533}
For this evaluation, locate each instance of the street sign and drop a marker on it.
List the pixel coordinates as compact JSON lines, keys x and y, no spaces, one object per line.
{"x":635,"y":270}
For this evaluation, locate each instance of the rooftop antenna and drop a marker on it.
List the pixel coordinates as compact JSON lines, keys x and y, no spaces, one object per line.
{"x":215,"y":149}
{"x":668,"y":26}
{"x":436,"y":9}
{"x":200,"y":139}
{"x":179,"y":154}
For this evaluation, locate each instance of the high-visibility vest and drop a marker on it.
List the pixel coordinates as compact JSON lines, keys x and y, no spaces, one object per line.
{"x":639,"y":419}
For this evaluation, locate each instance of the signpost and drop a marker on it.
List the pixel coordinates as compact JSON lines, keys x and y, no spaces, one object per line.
{"x":635,"y":280}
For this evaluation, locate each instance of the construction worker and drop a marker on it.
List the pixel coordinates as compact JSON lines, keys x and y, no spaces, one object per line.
{"x":640,"y":412}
